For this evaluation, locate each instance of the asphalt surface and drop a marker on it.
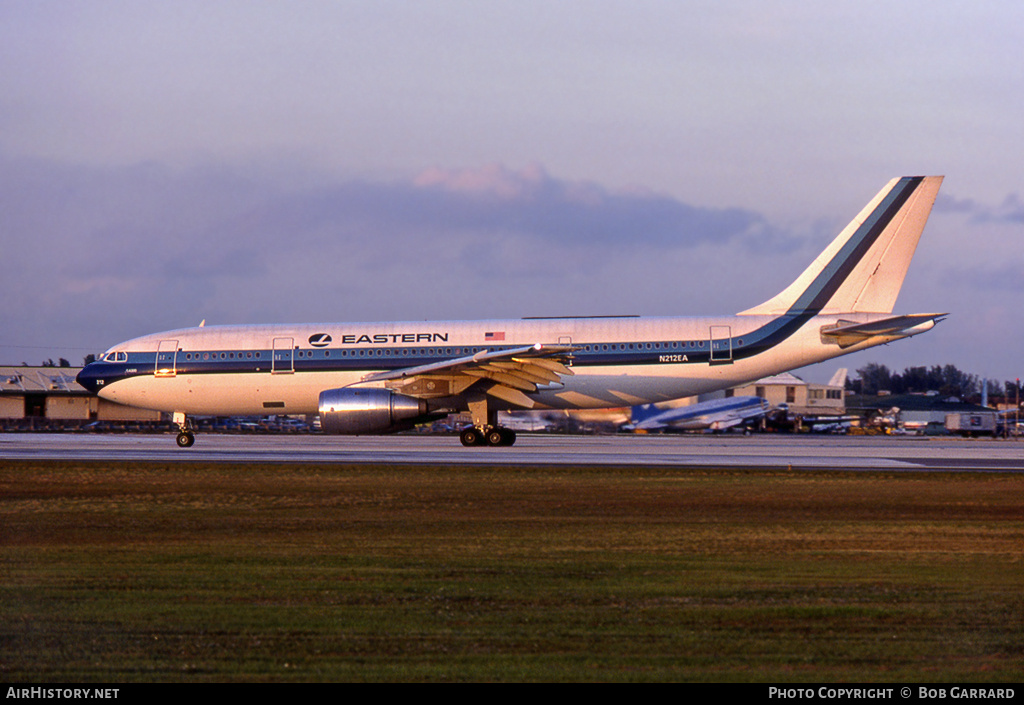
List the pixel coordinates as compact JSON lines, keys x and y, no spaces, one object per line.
{"x":782,"y":451}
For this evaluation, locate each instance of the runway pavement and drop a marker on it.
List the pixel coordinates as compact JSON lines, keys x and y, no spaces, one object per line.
{"x":783,"y":451}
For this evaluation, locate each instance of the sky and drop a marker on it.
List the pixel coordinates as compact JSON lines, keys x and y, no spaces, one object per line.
{"x":244,"y":161}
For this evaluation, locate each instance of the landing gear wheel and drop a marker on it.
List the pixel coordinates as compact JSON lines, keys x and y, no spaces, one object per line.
{"x":471,"y":437}
{"x":186,"y":439}
{"x":498,"y":437}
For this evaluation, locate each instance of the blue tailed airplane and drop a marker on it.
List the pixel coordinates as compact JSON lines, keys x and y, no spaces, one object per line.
{"x":716,"y":415}
{"x":373,"y":378}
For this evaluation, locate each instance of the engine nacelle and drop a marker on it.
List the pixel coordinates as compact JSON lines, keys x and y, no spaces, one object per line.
{"x":355,"y":411}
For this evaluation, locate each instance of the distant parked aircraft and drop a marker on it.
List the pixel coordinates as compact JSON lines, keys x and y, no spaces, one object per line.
{"x":716,"y":415}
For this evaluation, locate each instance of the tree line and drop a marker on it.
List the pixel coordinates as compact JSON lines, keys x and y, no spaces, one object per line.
{"x":50,"y":363}
{"x":947,"y":380}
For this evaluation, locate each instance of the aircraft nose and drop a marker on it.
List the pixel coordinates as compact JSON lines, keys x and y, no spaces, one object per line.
{"x":91,"y":377}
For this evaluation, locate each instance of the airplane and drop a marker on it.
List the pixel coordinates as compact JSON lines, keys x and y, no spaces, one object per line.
{"x":716,"y":415}
{"x":376,"y":378}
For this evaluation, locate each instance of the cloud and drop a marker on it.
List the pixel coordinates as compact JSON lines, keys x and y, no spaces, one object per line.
{"x":526,"y":205}
{"x":149,"y":246}
{"x":532,"y":204}
{"x":1011,"y":210}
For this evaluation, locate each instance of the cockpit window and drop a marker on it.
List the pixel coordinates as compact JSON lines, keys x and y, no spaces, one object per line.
{"x":116,"y":357}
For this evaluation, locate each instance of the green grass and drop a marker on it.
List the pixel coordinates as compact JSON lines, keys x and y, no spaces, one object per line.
{"x":123,"y":572}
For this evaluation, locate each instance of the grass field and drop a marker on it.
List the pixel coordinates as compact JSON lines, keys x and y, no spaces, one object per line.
{"x":120,"y":572}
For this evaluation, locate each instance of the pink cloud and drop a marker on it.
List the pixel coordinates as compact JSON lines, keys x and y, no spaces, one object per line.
{"x":492,"y":179}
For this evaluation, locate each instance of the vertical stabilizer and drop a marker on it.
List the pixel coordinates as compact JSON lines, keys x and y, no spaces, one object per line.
{"x":864,"y":267}
{"x":643,"y":412}
{"x":839,"y":378}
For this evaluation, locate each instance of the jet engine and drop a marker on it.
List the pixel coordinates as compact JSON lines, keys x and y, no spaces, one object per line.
{"x":368,"y":411}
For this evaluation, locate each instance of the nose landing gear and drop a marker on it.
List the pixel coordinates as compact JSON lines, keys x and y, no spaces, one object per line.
{"x":186,"y":439}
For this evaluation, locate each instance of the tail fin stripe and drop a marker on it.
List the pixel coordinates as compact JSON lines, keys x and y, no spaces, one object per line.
{"x":818,"y":293}
{"x":823,"y":287}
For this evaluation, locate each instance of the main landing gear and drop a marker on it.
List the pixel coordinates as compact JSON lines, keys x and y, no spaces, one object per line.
{"x":485,"y":430}
{"x":493,"y":436}
{"x":186,"y":438}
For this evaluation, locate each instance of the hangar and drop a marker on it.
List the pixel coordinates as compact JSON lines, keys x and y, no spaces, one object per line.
{"x":40,"y":397}
{"x":800,"y":397}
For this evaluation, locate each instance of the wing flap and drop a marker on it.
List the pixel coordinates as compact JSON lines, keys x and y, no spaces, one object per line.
{"x":530,"y":373}
{"x":512,"y":396}
{"x":530,"y":355}
{"x":502,"y":378}
{"x":512,"y":373}
{"x":553,"y":365}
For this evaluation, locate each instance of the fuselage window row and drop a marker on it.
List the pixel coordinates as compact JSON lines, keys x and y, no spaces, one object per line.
{"x":433,"y":352}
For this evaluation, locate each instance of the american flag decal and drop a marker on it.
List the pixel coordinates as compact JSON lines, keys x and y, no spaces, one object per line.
{"x":499,"y":335}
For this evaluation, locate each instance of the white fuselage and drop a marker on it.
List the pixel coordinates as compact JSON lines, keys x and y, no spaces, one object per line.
{"x":617,"y":361}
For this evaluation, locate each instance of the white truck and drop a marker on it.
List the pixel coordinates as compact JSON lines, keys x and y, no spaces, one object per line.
{"x":972,"y":423}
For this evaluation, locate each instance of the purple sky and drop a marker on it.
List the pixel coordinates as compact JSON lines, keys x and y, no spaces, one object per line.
{"x":240,"y":162}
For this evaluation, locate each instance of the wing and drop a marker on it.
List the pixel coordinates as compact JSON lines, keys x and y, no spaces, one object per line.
{"x":508,"y":374}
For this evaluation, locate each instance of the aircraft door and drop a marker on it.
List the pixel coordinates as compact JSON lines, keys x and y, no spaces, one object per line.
{"x":721,"y":345}
{"x":566,"y":340}
{"x":283,"y":360}
{"x":166,"y":359}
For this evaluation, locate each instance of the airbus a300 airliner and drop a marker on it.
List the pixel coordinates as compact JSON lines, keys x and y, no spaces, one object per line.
{"x":374,"y":378}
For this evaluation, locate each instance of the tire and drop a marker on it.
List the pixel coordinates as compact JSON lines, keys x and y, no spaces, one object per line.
{"x":471,"y":437}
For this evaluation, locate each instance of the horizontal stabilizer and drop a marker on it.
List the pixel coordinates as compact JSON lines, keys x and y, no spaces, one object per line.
{"x":847,"y":333}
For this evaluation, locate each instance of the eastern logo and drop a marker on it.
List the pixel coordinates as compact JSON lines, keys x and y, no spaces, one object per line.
{"x":320,"y":340}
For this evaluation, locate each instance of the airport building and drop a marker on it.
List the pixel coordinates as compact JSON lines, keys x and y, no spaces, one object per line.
{"x":913,"y":412}
{"x":50,"y":396}
{"x":800,"y":397}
